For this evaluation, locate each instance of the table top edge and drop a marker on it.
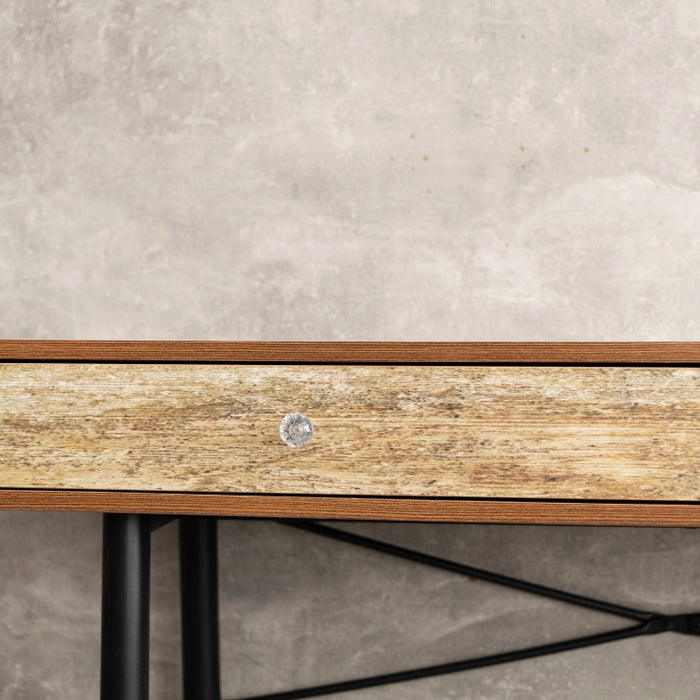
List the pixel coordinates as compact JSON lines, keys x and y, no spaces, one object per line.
{"x":351,"y":352}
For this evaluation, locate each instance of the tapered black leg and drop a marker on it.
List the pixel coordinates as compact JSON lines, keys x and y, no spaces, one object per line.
{"x":199,"y":593}
{"x":126,"y":559}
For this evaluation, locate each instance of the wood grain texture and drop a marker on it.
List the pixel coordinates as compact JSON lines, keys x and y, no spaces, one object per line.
{"x":673,"y":353}
{"x":358,"y":508}
{"x":595,"y":433}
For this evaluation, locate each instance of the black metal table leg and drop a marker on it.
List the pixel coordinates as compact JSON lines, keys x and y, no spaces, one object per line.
{"x":126,"y":558}
{"x":200,"y":608}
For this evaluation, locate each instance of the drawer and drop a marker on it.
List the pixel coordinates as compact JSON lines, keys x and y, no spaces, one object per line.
{"x":472,"y":431}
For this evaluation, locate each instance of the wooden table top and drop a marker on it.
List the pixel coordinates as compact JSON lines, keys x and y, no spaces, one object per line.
{"x":346,"y":352}
{"x":648,"y":394}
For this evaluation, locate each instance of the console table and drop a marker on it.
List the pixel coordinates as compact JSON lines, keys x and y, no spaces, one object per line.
{"x":144,"y":432}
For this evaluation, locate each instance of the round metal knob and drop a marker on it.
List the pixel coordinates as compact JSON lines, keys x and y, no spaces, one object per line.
{"x":296,"y":429}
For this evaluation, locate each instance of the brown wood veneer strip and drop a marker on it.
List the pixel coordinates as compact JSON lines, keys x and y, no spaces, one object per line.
{"x":358,"y":508}
{"x":670,"y":353}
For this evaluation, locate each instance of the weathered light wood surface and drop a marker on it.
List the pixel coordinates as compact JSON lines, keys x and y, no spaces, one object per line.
{"x":600,"y":433}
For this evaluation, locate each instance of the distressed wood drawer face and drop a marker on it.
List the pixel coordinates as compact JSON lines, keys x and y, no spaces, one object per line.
{"x":629,"y":433}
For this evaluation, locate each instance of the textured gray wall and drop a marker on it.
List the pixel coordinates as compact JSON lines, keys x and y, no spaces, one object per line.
{"x":325,"y":169}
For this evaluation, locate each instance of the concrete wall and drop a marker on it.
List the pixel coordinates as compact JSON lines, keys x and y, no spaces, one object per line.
{"x":333,"y":169}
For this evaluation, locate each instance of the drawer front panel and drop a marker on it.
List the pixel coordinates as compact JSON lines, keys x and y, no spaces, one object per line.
{"x":629,"y":433}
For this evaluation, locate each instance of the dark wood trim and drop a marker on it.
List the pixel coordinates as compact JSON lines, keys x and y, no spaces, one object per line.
{"x":359,"y":508}
{"x":663,"y":353}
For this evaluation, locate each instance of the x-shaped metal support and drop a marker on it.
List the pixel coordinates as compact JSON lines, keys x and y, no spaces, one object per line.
{"x":126,"y":562}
